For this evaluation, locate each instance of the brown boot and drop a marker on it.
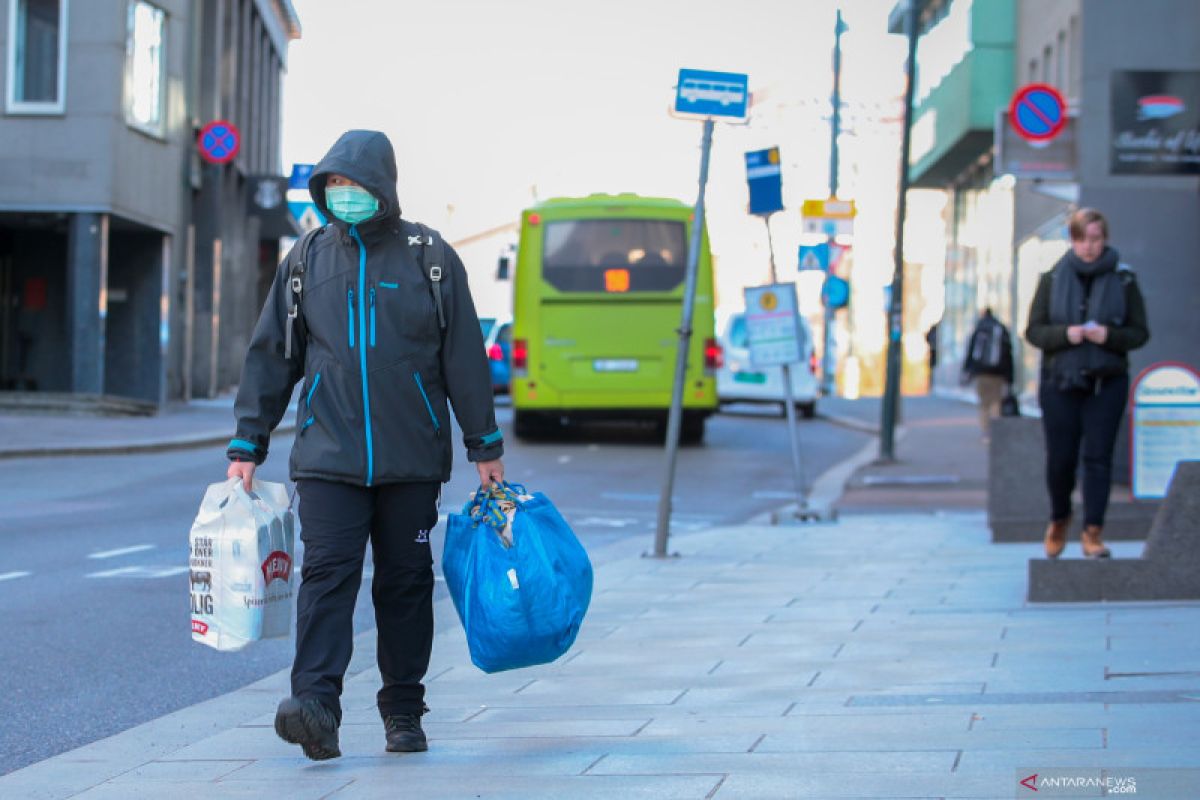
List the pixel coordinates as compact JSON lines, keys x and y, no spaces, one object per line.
{"x":1056,"y":537}
{"x":1093,"y":547}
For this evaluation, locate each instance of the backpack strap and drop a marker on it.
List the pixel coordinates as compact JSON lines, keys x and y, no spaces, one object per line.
{"x":296,"y":285}
{"x":432,"y":256}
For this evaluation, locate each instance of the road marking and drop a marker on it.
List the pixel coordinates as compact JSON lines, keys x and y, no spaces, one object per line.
{"x":121,"y":551}
{"x":606,"y":522}
{"x":139,"y":572}
{"x":8,"y":576}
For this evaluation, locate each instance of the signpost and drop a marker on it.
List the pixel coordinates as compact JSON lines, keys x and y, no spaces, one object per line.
{"x":300,"y":175}
{"x":764,"y":176}
{"x":831,"y":217}
{"x":1165,"y":425}
{"x":708,"y":96}
{"x":219,"y":142}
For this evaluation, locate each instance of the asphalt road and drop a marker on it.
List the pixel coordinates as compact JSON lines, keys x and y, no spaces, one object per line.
{"x":94,"y":605}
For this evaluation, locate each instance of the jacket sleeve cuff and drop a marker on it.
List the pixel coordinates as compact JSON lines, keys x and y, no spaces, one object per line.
{"x":243,"y":450}
{"x":486,"y":447}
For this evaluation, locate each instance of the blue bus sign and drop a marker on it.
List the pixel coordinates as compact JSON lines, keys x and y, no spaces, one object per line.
{"x":766,"y":183}
{"x":712,"y":94}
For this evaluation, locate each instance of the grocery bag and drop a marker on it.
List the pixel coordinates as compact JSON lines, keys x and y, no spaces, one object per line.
{"x":520,"y":588}
{"x":240,"y":565}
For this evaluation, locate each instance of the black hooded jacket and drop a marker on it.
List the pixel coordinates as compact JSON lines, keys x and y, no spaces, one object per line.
{"x":378,"y":369}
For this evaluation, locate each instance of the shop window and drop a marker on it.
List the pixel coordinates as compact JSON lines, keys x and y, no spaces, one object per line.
{"x":37,"y":56}
{"x":144,"y":67}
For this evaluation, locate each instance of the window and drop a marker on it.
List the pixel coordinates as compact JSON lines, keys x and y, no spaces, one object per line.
{"x":37,"y":51}
{"x":144,"y":67}
{"x":639,"y":254}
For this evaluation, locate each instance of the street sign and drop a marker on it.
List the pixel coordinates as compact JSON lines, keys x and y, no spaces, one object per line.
{"x":764,"y":176}
{"x":836,"y":292}
{"x":219,"y":142}
{"x":831,"y":217}
{"x":1165,"y":425}
{"x":300,"y":175}
{"x":814,"y":256}
{"x":712,"y":94}
{"x":306,"y":213}
{"x":1038,"y":112}
{"x":773,"y":325}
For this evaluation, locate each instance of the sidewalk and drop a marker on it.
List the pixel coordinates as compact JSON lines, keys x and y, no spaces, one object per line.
{"x":889,"y":655}
{"x":198,"y":423}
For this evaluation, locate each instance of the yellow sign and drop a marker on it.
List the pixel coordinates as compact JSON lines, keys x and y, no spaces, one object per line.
{"x":768,"y":301}
{"x":829,"y":209}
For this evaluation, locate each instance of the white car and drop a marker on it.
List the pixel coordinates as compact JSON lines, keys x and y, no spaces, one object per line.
{"x":740,"y":382}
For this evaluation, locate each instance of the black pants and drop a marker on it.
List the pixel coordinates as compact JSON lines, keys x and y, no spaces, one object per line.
{"x":1072,"y":416}
{"x":336,"y":520}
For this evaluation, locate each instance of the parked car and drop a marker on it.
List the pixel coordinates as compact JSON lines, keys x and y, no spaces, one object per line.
{"x":740,"y":382}
{"x":497,"y":341}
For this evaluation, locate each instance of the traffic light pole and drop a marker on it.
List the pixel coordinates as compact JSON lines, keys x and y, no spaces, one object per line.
{"x":828,"y":357}
{"x":895,"y":320}
{"x":675,"y":417}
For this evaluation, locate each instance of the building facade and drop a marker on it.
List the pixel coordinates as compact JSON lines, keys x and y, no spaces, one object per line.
{"x":1008,"y":204}
{"x":129,"y":265}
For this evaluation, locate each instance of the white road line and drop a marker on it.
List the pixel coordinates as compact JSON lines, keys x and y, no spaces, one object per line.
{"x":8,"y":576}
{"x":122,"y":551}
{"x":139,"y":572}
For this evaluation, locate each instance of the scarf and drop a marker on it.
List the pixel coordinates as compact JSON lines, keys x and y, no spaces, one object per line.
{"x":1081,"y":291}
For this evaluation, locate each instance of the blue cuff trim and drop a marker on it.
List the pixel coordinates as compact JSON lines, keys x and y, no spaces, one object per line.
{"x":493,"y":437}
{"x":242,"y":444}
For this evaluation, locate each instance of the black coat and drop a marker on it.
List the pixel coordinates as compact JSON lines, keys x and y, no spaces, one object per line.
{"x":378,"y":369}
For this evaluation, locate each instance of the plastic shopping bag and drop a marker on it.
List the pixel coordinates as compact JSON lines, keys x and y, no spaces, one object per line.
{"x":240,"y":558}
{"x":521,"y":588}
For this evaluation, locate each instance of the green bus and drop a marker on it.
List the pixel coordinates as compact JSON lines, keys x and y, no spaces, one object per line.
{"x":597,"y":303}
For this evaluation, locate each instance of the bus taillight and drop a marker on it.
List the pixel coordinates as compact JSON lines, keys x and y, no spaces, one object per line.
{"x":520,"y":355}
{"x":714,"y":357}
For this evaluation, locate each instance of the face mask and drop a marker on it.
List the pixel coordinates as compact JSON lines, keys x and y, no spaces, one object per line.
{"x":351,"y":204}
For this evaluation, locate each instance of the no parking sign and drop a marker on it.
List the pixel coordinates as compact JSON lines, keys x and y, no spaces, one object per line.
{"x":219,"y":142}
{"x":1038,"y":112}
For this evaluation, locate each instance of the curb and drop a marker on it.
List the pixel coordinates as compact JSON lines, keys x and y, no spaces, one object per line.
{"x":127,"y":448}
{"x":852,"y":423}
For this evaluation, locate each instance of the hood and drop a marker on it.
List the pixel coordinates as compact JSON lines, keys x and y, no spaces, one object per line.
{"x":367,"y":158}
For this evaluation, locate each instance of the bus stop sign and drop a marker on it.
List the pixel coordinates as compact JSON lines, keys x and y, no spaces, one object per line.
{"x":712,"y":94}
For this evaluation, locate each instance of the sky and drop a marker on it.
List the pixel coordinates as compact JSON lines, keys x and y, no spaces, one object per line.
{"x":492,"y":105}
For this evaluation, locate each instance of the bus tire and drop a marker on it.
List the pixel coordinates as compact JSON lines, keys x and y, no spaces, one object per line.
{"x":807,"y":410}
{"x":692,"y":431}
{"x":526,"y":425}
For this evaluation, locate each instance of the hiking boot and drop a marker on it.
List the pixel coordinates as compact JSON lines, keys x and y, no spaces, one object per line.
{"x":404,"y":734}
{"x":1093,"y":547}
{"x":1056,"y":537}
{"x":308,"y":723}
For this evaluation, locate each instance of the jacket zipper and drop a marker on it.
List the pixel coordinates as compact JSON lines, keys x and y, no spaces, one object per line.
{"x":308,"y":403}
{"x":362,"y":351}
{"x":350,"y":315}
{"x":437,"y":427}
{"x":372,"y":316}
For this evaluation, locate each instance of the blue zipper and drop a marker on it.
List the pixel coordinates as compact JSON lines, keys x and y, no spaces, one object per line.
{"x":308,"y":402}
{"x":350,"y":315}
{"x":437,"y":428}
{"x":372,"y":316}
{"x":362,"y":351}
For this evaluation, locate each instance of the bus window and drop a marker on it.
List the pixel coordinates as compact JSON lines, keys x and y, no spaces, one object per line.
{"x":577,"y":253}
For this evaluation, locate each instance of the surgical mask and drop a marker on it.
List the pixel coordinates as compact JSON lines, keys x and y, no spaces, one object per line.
{"x":351,"y":204}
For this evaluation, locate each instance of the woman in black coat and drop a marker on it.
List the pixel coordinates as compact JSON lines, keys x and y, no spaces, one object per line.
{"x":1087,"y":314}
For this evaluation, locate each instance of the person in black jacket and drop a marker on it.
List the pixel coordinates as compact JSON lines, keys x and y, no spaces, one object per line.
{"x":381,"y":347}
{"x":989,"y":363}
{"x":1087,"y":314}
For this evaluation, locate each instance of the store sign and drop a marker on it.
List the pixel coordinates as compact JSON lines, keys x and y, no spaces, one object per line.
{"x":1052,"y":160}
{"x":1165,"y":425}
{"x":1155,"y":123}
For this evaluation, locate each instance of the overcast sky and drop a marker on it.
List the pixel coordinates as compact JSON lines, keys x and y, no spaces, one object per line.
{"x":490,"y":102}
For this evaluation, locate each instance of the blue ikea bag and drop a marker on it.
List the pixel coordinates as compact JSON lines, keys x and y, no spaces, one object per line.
{"x":522,"y":603}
